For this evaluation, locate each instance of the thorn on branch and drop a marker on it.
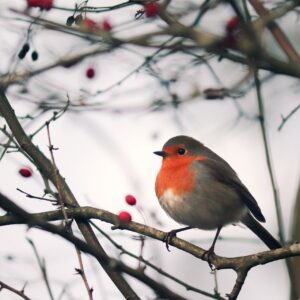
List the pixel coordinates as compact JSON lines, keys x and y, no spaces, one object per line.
{"x":78,"y":271}
{"x":51,"y":147}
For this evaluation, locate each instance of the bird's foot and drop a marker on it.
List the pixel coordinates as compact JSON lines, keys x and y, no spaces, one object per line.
{"x":172,"y":233}
{"x":208,"y":254}
{"x":167,"y":238}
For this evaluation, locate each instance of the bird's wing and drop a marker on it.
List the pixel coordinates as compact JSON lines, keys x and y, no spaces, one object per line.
{"x":221,"y":171}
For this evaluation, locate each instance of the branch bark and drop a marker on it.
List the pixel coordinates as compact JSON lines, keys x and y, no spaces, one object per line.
{"x":241,"y":265}
{"x":295,"y":262}
{"x":220,"y":262}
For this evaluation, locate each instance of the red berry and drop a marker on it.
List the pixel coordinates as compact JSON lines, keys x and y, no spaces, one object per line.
{"x":25,"y":172}
{"x":130,"y":200}
{"x":232,"y":24}
{"x":88,"y":24}
{"x":124,"y":216}
{"x":105,"y":25}
{"x":90,"y":73}
{"x":151,"y":9}
{"x":43,"y":4}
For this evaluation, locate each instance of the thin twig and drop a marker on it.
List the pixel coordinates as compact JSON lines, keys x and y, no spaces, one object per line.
{"x":15,"y":291}
{"x":36,"y":197}
{"x":147,"y":263}
{"x":271,"y":171}
{"x":56,"y":115}
{"x":261,"y":119}
{"x":92,"y":9}
{"x":51,"y":149}
{"x":42,"y":266}
{"x":13,"y":140}
{"x":7,"y":145}
{"x":80,"y":271}
{"x":284,"y":119}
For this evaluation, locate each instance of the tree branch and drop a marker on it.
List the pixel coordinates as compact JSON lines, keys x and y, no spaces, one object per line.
{"x":47,"y":169}
{"x":111,"y":263}
{"x":240,"y":264}
{"x":277,"y":33}
{"x":87,"y":213}
{"x":15,"y":291}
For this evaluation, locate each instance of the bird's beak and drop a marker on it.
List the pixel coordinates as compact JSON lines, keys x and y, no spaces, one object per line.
{"x":160,"y":153}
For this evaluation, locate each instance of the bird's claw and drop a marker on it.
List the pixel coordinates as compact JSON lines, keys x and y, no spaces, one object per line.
{"x":167,"y":238}
{"x":208,"y":254}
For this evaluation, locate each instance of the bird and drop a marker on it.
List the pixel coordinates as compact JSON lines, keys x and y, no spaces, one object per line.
{"x":198,"y":188}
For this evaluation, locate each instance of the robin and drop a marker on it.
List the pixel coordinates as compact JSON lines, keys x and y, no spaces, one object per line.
{"x":198,"y":188}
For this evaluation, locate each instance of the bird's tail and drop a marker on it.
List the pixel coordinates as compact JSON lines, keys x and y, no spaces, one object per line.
{"x":261,"y":232}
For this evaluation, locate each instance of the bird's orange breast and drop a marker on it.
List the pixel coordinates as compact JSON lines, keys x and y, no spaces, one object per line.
{"x":175,"y":174}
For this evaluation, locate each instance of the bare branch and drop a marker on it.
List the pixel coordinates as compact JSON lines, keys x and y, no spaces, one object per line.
{"x":278,"y":34}
{"x":42,"y":266}
{"x":113,"y":264}
{"x":67,"y":196}
{"x":15,"y":291}
{"x":285,"y":119}
{"x":219,"y":262}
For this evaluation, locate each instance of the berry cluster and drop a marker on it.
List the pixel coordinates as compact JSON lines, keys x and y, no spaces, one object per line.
{"x":89,"y":24}
{"x":124,"y":216}
{"x":24,"y":51}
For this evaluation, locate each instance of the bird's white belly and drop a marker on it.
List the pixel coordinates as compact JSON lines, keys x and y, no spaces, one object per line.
{"x":202,"y":210}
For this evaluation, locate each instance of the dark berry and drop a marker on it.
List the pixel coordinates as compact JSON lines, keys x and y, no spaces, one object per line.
{"x":34,"y":55}
{"x":70,"y":21}
{"x":26,"y":47}
{"x":22,"y":54}
{"x":90,"y":73}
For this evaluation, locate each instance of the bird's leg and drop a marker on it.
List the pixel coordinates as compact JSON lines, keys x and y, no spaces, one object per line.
{"x":169,"y":235}
{"x":210,"y":251}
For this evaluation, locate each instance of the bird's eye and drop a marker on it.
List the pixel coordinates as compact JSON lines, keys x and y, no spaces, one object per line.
{"x":181,"y":151}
